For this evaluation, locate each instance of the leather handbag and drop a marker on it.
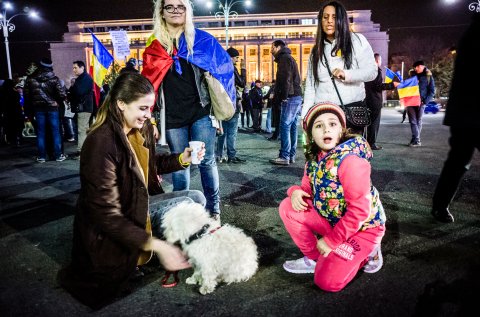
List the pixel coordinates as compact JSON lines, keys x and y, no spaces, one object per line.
{"x":223,"y":108}
{"x":357,"y":113}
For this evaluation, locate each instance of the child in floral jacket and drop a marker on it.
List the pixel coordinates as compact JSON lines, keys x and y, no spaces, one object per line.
{"x":336,"y":201}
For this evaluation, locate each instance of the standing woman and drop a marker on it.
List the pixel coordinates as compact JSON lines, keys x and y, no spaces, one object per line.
{"x":349,"y":57}
{"x":175,"y":60}
{"x":112,"y":229}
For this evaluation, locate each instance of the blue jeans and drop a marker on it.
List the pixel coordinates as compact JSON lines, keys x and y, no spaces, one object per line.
{"x":268,"y":122}
{"x":415,"y":115}
{"x":288,"y":127}
{"x":230,"y":129}
{"x":177,"y":139}
{"x":52,"y":119}
{"x":160,"y":204}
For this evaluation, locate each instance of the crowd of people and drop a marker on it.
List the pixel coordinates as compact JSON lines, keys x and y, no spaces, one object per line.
{"x":335,"y":216}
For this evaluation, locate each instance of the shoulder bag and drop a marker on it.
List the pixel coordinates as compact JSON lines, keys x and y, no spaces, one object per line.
{"x":357,"y":113}
{"x":223,"y":108}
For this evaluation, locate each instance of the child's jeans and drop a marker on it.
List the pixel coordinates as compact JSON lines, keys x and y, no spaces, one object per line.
{"x":334,"y":272}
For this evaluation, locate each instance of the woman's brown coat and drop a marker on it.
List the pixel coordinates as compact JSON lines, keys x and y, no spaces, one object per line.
{"x":110,"y":221}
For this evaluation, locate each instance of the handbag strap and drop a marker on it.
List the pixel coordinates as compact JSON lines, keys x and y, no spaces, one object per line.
{"x":333,"y":80}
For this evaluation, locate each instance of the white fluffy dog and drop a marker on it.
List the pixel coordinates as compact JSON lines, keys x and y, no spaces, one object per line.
{"x":216,"y":253}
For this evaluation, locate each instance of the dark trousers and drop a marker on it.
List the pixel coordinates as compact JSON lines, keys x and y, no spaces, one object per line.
{"x":246,"y":113}
{"x":463,"y":142}
{"x":257,"y":119}
{"x":276,"y":121}
{"x":372,"y":130}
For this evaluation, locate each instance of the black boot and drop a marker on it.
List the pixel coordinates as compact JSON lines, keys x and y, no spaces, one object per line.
{"x":442,"y":215}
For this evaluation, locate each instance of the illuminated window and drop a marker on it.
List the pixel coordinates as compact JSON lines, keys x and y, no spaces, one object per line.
{"x":307,"y":21}
{"x":307,"y":50}
{"x":252,"y":52}
{"x":266,"y":52}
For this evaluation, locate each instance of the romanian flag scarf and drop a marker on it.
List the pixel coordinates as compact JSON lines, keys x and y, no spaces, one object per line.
{"x":208,"y":55}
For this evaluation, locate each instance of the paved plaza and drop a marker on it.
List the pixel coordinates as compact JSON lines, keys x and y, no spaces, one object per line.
{"x":430,"y":269}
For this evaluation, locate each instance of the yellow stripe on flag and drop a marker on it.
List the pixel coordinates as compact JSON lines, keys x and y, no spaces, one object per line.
{"x":99,"y":72}
{"x":408,"y":91}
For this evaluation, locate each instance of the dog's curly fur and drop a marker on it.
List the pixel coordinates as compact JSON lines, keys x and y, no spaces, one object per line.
{"x":226,"y":255}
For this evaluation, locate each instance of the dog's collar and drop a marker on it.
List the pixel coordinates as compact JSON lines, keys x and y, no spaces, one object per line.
{"x":200,"y":233}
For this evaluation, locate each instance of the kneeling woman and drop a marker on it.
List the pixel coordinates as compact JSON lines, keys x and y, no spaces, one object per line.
{"x":112,"y":231}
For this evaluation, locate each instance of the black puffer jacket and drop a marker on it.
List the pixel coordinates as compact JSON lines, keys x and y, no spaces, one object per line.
{"x":288,"y":78}
{"x":44,"y":91}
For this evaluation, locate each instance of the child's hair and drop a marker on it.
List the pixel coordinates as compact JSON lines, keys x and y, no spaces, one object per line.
{"x":128,"y":87}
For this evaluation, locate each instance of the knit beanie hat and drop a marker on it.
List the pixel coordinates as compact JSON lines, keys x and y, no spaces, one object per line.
{"x":233,"y":52}
{"x":321,"y":108}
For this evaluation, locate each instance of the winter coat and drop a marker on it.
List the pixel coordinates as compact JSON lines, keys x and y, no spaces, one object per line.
{"x":288,"y":80}
{"x":256,"y":98}
{"x":463,"y":108}
{"x":81,"y":93}
{"x":352,"y":88}
{"x":373,"y":91}
{"x":111,"y":217}
{"x":240,"y":82}
{"x":426,"y":85}
{"x":43,"y":91}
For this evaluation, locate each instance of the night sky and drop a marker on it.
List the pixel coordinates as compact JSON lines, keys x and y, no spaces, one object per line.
{"x":438,"y":20}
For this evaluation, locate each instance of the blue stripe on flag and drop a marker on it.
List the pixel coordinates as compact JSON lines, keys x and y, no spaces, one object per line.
{"x":103,"y":55}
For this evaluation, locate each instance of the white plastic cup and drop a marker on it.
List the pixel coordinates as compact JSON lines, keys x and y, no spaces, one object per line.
{"x":196,"y":147}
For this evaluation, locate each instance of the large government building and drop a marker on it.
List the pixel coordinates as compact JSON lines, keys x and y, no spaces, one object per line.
{"x":250,"y":34}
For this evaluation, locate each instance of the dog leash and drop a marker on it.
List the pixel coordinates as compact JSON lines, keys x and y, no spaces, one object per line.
{"x":167,"y":277}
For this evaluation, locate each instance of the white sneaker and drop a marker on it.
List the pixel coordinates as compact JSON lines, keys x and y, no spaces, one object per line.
{"x":301,"y":266}
{"x":61,"y":158}
{"x":375,"y":261}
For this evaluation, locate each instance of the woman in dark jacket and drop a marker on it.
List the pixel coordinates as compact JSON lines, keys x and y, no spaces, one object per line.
{"x":112,"y":231}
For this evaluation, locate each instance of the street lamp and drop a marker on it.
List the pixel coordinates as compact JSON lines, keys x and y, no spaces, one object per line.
{"x":7,"y":26}
{"x":226,"y":12}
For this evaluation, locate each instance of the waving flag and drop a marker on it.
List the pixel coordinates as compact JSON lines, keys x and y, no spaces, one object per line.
{"x":409,"y":92}
{"x":102,"y":59}
{"x":389,"y":75}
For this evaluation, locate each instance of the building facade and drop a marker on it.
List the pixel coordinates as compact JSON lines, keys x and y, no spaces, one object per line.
{"x":250,"y":34}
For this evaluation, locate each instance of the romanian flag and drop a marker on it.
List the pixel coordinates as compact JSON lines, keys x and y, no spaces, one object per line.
{"x":208,"y":55}
{"x":409,"y":92}
{"x":389,"y":75}
{"x":102,"y":59}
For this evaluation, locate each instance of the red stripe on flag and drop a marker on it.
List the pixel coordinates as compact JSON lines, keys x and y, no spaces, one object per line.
{"x":410,"y":101}
{"x":96,"y":89}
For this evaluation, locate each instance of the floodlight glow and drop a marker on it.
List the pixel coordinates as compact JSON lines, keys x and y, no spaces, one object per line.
{"x":248,"y":3}
{"x":8,"y":5}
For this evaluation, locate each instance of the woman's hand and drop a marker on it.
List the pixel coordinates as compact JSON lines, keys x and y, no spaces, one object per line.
{"x":298,"y":203}
{"x":323,"y":248}
{"x":170,"y":256}
{"x":187,"y":154}
{"x":338,"y":73}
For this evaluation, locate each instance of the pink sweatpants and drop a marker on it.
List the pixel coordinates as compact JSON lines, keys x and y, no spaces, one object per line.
{"x":334,"y":272}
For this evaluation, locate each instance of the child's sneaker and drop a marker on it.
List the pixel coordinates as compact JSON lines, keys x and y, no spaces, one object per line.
{"x":375,"y":261}
{"x":301,"y":266}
